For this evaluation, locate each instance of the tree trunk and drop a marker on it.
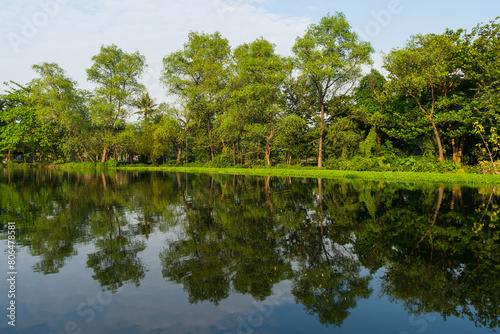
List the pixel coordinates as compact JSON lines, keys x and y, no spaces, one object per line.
{"x":104,"y":154}
{"x":379,"y":139}
{"x":210,"y":141}
{"x":78,"y":155}
{"x":458,"y":146}
{"x":234,"y":154}
{"x":438,"y":141}
{"x":267,"y":154}
{"x":86,"y":151}
{"x":179,"y":152}
{"x":54,"y":151}
{"x":320,"y":146}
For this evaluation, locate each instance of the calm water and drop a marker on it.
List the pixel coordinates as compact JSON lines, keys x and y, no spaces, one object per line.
{"x":127,"y":252}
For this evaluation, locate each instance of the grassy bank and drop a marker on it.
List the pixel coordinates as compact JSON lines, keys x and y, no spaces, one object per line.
{"x":334,"y":174}
{"x":299,"y":172}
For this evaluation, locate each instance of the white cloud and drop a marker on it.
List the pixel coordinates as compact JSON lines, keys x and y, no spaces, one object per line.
{"x":76,"y":29}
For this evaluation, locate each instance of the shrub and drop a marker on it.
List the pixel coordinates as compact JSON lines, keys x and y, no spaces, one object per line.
{"x":172,"y":163}
{"x":357,"y":163}
{"x":286,"y":166}
{"x":194,"y":164}
{"x":87,"y":164}
{"x":112,"y":163}
{"x":256,"y":162}
{"x":220,"y":161}
{"x":101,"y":165}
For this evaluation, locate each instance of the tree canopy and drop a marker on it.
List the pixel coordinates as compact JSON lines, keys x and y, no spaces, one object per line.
{"x":435,"y":100}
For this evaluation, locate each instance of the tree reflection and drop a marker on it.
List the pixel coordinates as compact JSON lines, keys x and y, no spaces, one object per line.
{"x":438,"y":245}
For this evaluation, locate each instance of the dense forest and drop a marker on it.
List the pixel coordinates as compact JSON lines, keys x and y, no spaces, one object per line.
{"x":436,"y":104}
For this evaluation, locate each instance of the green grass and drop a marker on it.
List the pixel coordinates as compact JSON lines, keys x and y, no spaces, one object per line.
{"x":471,"y":179}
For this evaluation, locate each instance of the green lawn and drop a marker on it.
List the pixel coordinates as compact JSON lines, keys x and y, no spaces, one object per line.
{"x":333,"y":174}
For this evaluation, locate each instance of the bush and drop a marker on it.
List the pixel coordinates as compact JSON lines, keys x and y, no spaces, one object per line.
{"x":101,"y":165}
{"x":486,"y":167}
{"x":256,"y":162}
{"x":172,"y":163}
{"x":87,"y":164}
{"x":220,"y":161}
{"x":194,"y":164}
{"x":286,"y":166}
{"x":240,"y":166}
{"x":357,"y":163}
{"x":112,"y":163}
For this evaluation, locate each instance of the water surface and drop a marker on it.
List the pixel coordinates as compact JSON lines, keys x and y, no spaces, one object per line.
{"x":130,"y":252}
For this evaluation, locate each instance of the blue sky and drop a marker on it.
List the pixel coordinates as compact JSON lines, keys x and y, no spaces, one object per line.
{"x":70,"y":32}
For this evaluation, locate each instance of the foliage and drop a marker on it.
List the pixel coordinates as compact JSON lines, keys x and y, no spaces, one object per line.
{"x":329,"y":57}
{"x":112,"y":163}
{"x":257,"y":108}
{"x":220,"y":161}
{"x":172,"y":163}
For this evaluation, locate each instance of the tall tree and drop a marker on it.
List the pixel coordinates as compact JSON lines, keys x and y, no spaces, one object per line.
{"x":329,"y":57}
{"x":117,"y":75}
{"x":197,"y":74}
{"x":258,"y":91}
{"x":58,"y":100}
{"x":425,"y":72}
{"x":18,"y":120}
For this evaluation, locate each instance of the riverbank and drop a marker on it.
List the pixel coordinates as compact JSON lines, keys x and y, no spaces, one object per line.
{"x":461,"y":178}
{"x":303,"y":172}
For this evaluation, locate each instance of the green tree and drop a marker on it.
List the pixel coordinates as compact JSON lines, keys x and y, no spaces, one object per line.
{"x":290,"y":136}
{"x":22,"y":131}
{"x":257,"y":92}
{"x":146,"y":105}
{"x":117,"y":75}
{"x":58,"y":100}
{"x":426,"y":72}
{"x":329,"y":57}
{"x":197,"y":75}
{"x":371,"y":102}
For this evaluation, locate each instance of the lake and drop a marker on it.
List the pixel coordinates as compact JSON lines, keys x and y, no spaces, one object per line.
{"x":153,"y":252}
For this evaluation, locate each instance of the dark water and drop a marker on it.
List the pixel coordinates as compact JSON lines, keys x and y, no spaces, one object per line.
{"x":128,"y":252}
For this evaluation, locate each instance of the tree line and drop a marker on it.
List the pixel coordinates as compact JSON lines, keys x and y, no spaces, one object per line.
{"x":437,"y":101}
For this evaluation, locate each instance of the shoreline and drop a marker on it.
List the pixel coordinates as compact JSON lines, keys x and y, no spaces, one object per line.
{"x":419,"y":177}
{"x":307,"y":172}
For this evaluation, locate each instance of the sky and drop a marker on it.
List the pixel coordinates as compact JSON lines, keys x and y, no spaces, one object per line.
{"x":70,"y":32}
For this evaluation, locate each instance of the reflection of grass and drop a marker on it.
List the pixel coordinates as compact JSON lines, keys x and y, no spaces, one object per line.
{"x":333,"y":174}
